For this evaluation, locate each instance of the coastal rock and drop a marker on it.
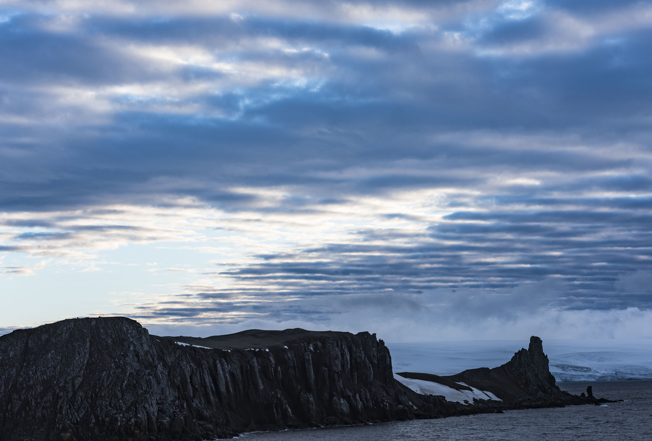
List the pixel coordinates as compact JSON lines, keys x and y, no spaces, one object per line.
{"x":101,"y":379}
{"x":107,"y":378}
{"x":523,"y":382}
{"x":525,"y":377}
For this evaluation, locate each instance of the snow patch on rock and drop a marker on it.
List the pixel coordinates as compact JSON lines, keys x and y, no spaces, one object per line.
{"x":431,"y":388}
{"x":180,"y":343}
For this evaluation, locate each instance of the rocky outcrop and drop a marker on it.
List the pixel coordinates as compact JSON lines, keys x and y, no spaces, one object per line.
{"x":99,"y":379}
{"x":525,"y":377}
{"x":107,"y":378}
{"x":523,"y":382}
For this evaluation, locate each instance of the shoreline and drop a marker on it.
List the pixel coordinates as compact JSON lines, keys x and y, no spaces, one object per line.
{"x":113,"y":380}
{"x":344,"y":431}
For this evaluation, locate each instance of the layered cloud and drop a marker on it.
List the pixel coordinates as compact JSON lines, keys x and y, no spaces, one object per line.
{"x":489,"y":160}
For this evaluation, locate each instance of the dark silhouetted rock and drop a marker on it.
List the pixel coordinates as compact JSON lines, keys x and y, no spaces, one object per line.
{"x":107,"y":378}
{"x":523,"y":382}
{"x":100,"y":379}
{"x":525,"y":376}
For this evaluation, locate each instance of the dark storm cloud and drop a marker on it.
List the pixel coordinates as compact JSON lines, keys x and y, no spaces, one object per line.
{"x":511,"y":31}
{"x":224,"y":30}
{"x":583,"y":259}
{"x":31,"y":54}
{"x":621,"y":218}
{"x":614,"y":203}
{"x":604,"y":80}
{"x":11,"y":248}
{"x":588,"y":7}
{"x":42,"y":236}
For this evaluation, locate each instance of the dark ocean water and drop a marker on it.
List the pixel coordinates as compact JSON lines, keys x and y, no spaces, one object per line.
{"x":627,"y":420}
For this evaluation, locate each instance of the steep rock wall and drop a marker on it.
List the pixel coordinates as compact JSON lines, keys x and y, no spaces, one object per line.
{"x":107,"y":378}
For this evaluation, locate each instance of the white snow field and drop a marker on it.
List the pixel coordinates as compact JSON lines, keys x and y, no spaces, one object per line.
{"x":570,"y":360}
{"x":432,"y":388}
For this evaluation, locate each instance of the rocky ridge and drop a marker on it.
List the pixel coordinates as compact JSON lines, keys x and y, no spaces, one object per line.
{"x":109,"y":379}
{"x":525,"y":377}
{"x":523,"y":382}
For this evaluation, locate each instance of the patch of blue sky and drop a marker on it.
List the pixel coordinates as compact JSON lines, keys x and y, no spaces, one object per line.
{"x":519,"y":9}
{"x":110,"y":282}
{"x":510,"y":11}
{"x":57,"y":292}
{"x":6,"y":17}
{"x":42,"y":235}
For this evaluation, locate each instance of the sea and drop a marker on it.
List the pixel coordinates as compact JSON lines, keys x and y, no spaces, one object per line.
{"x":630,"y":419}
{"x":617,"y":370}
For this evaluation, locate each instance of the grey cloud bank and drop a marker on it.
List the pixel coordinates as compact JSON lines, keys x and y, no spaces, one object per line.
{"x":481,"y":163}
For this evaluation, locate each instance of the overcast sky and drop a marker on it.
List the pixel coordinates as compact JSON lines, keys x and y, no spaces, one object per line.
{"x":425,"y":170}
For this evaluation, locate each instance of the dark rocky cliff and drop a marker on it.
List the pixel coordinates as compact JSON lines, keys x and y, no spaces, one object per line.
{"x":523,"y":382}
{"x":525,"y":377}
{"x":100,"y":379}
{"x":107,"y":378}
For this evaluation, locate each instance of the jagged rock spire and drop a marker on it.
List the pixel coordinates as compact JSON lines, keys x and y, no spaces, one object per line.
{"x":537,"y":356}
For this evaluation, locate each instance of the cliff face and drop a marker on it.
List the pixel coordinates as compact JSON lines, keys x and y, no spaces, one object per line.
{"x":525,"y":377}
{"x":107,"y":378}
{"x":530,"y":372}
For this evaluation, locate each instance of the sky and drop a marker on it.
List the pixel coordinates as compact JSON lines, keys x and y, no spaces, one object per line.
{"x":424,"y":170}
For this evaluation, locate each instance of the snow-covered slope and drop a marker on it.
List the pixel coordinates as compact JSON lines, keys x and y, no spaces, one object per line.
{"x":570,"y":360}
{"x":432,"y":388}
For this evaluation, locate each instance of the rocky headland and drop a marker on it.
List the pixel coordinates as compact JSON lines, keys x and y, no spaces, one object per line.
{"x":109,"y":379}
{"x":526,"y":378}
